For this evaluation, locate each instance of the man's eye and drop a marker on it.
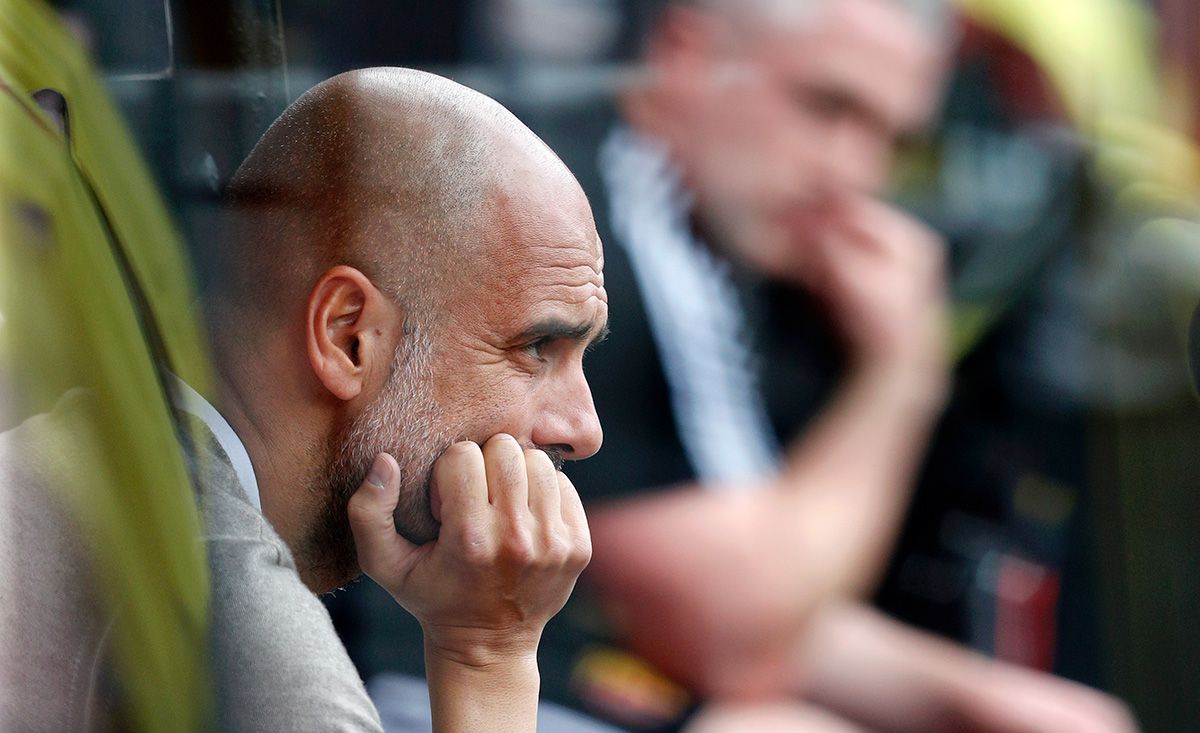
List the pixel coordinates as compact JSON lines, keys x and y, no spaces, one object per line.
{"x":827,"y":105}
{"x":537,"y":348}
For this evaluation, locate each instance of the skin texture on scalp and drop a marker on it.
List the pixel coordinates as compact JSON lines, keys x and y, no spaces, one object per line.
{"x":389,"y":170}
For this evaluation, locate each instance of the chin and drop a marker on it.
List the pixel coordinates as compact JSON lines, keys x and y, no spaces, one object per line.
{"x":420,"y":535}
{"x":328,"y":580}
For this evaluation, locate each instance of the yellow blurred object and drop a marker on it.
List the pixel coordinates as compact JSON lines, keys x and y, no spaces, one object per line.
{"x":628,"y":689}
{"x":95,"y":294}
{"x":1099,"y":55}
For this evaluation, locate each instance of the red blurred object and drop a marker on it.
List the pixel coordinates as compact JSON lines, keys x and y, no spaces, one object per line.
{"x":1023,"y":86}
{"x":1179,"y":23}
{"x":1026,"y":612}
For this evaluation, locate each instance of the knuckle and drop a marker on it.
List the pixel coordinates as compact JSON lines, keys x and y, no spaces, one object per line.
{"x":518,"y":547}
{"x":559,"y":548}
{"x":582,"y":549}
{"x":475,"y":546}
{"x":504,"y":456}
{"x":501,"y":444}
{"x":465,"y":447}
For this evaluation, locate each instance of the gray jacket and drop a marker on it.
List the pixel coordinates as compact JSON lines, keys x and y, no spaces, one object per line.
{"x":278,"y":663}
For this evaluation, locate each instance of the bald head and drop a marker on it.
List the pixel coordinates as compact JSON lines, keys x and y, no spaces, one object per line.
{"x":343,"y":324}
{"x":392,"y":171}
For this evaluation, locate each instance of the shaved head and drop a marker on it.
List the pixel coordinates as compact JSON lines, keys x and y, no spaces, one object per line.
{"x":398,"y":244}
{"x":392,"y":171}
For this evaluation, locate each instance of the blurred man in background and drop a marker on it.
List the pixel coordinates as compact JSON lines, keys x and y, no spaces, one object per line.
{"x":754,"y":153}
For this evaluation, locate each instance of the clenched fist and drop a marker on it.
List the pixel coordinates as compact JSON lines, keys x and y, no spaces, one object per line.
{"x":513,"y":540}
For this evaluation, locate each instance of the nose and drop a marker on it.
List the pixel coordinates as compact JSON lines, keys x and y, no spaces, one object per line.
{"x":569,"y":421}
{"x":855,"y":161}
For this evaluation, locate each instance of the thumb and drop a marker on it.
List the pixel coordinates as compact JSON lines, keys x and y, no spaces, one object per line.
{"x":381,"y":551}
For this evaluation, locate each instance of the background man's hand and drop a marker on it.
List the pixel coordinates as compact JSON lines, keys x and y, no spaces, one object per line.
{"x":513,"y":540}
{"x":881,"y":275}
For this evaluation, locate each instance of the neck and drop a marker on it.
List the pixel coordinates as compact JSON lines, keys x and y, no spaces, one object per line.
{"x":282,"y":464}
{"x":648,"y":111}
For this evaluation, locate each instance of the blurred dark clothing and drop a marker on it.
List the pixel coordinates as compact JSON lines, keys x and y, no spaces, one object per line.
{"x":681,"y":382}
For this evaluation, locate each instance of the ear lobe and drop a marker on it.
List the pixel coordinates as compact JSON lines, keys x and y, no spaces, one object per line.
{"x":345,"y":312}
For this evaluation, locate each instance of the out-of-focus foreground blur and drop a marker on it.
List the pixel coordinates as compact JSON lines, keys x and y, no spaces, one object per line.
{"x":1055,"y":523}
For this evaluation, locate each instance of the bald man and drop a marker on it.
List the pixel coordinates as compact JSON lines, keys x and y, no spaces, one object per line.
{"x":399,"y":318}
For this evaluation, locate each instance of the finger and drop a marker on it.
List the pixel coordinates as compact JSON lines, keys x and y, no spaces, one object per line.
{"x":507,"y":484}
{"x":575,"y":518}
{"x":381,"y":551}
{"x":544,"y":499}
{"x":459,"y":485}
{"x":892,"y":232}
{"x":875,"y":238}
{"x":903,"y":249}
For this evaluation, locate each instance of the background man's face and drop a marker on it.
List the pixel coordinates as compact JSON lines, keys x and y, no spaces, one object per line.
{"x":805,"y":115}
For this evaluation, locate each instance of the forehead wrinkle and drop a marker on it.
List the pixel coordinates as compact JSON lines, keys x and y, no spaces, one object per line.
{"x":557,"y":302}
{"x":524,"y":266}
{"x":580,"y":285}
{"x":574,"y":289}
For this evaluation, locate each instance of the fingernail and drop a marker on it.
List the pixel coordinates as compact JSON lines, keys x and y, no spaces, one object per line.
{"x":381,"y":472}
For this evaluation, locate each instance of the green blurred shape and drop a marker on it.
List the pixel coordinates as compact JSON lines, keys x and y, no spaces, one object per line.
{"x":1099,"y":56}
{"x":94,"y":290}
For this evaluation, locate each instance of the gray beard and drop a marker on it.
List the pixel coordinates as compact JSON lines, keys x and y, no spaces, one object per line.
{"x":404,"y":421}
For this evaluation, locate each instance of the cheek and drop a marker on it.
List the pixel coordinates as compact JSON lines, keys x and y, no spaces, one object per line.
{"x":480,"y":400}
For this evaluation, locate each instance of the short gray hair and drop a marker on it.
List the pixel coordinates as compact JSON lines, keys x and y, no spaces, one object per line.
{"x":935,"y":16}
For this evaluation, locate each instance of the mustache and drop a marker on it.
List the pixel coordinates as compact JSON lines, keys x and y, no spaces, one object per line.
{"x":555,"y":454}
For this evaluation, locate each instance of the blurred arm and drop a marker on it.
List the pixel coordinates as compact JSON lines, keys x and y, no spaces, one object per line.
{"x":711,"y":585}
{"x":918,"y":682}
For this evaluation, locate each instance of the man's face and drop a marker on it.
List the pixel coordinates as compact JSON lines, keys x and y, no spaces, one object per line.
{"x":510,"y":355}
{"x":504,"y":356}
{"x":801,"y":116}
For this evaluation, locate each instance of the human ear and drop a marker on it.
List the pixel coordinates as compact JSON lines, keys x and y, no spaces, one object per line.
{"x":348,"y":322}
{"x":685,"y":40}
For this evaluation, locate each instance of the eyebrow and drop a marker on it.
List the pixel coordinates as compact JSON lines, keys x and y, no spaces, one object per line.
{"x":555,"y":329}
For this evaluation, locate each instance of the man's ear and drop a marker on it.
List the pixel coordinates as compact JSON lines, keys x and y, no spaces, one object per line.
{"x":348,"y":326}
{"x":684,"y":38}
